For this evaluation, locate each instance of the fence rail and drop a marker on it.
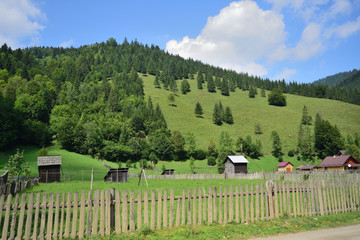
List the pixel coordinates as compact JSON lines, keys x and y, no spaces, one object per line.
{"x":59,"y":215}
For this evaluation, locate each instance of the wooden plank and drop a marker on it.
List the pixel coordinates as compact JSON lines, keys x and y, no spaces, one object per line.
{"x":28,"y":217}
{"x":75,"y":215}
{"x":165,"y":209}
{"x":329,"y":203}
{"x":89,"y":212}
{"x":146,"y":208}
{"x":82,"y":215}
{"x":159,"y":201}
{"x":298,"y":207}
{"x":257,"y":207}
{"x":107,"y":212}
{"x":183,"y":201}
{"x":50,"y":217}
{"x":2,"y":199}
{"x":62,"y":217}
{"x":324,"y":199}
{"x":21,"y":217}
{"x":215,"y":206}
{"x":124,"y":201}
{"x":178,"y":212}
{"x":43,"y":216}
{"x":281,"y":198}
{"x":262,"y":203}
{"x":200,"y":206}
{"x":241,"y":198}
{"x":288,"y":198}
{"x":194,"y":221}
{"x":7,"y":217}
{"x":252,"y":210}
{"x":117,"y":212}
{"x":172,"y":208}
{"x":275,"y":198}
{"x":231,"y":203}
{"x":68,"y":216}
{"x":95,"y":223}
{"x":321,"y":202}
{"x":14,"y":217}
{"x":132,"y":211}
{"x":237,"y":213}
{"x":247,"y":205}
{"x":220,"y":205}
{"x":153,"y":205}
{"x":333,"y":191}
{"x":139,"y":210}
{"x":204,"y":204}
{"x":267,"y":204}
{"x":293,"y":199}
{"x":189,"y":207}
{"x":56,"y":217}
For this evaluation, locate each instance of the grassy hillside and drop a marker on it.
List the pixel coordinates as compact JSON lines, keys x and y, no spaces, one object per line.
{"x":247,"y":112}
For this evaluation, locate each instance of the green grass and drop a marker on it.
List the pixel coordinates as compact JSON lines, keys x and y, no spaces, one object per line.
{"x":132,"y":184}
{"x":248,"y":112}
{"x":243,"y":231}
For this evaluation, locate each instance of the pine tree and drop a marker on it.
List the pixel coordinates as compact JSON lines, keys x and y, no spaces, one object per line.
{"x":221,"y":110}
{"x":185,"y":86}
{"x":198,"y":110}
{"x":171,"y":98}
{"x":232,"y":85}
{"x":277,"y":150}
{"x":263,"y":92}
{"x":157,"y":82}
{"x":306,"y":143}
{"x":200,"y":80}
{"x":252,"y":92}
{"x":228,"y":117}
{"x":306,"y":118}
{"x":224,"y":88}
{"x":217,"y":119}
{"x":217,"y":82}
{"x":210,"y":84}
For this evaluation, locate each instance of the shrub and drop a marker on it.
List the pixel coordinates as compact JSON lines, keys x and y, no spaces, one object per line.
{"x":277,"y":98}
{"x":200,"y":154}
{"x":291,"y":153}
{"x":211,"y":161}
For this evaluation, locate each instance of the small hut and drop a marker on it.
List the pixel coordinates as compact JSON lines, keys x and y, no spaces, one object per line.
{"x":168,"y":172}
{"x":3,"y":177}
{"x":49,"y":168}
{"x":235,"y":164}
{"x":117,"y":175}
{"x":285,"y":167}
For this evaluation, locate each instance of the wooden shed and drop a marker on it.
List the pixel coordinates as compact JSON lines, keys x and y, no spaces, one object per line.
{"x":3,"y":177}
{"x":235,"y":164}
{"x":168,"y":172}
{"x":49,"y":168}
{"x":344,"y":162}
{"x":285,"y":167}
{"x":117,"y":175}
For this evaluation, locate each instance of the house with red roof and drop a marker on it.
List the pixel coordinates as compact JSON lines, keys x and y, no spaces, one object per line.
{"x":343,"y":162}
{"x":285,"y":167}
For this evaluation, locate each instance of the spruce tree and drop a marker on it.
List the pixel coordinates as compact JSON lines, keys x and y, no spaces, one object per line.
{"x":171,"y":98}
{"x":200,"y":80}
{"x":217,"y":119}
{"x":210,"y":84}
{"x":263,"y":92}
{"x":252,"y":92}
{"x":221,"y":110}
{"x":277,"y":150}
{"x":224,"y":88}
{"x":157,"y":82}
{"x":198,"y":110}
{"x":185,"y":86}
{"x":228,"y":117}
{"x":306,"y":118}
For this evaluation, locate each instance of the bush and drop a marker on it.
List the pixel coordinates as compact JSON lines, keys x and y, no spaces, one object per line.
{"x":291,"y":153}
{"x":277,"y":98}
{"x":143,"y":163}
{"x":200,"y":154}
{"x":128,"y":163}
{"x":211,"y":161}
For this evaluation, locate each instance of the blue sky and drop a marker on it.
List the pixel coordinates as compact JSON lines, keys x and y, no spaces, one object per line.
{"x":298,"y":40}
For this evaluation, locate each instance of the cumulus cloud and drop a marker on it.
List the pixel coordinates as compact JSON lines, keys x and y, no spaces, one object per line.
{"x":18,"y":22}
{"x":239,"y":36}
{"x":67,"y":44}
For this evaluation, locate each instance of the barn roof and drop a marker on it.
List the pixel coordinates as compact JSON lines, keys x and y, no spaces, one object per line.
{"x":48,"y":160}
{"x":283,"y":164}
{"x":308,"y":167}
{"x":238,"y":159}
{"x":336,"y":161}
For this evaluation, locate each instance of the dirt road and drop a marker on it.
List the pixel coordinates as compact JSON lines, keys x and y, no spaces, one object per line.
{"x":341,"y":233}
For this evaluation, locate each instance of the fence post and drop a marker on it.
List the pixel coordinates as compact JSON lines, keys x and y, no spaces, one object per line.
{"x":269,"y":188}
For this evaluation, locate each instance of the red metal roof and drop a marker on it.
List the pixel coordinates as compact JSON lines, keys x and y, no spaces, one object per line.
{"x":283,"y":164}
{"x":336,"y":161}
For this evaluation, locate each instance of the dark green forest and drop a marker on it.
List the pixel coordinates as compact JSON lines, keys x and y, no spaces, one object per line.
{"x":349,"y":79}
{"x":91,"y":100}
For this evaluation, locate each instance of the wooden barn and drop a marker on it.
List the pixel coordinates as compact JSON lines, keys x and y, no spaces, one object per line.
{"x":3,"y":177}
{"x":168,"y":172}
{"x":307,"y":168}
{"x":49,"y":168}
{"x":235,"y":164}
{"x":344,"y":162}
{"x":285,"y":167}
{"x":117,"y":175}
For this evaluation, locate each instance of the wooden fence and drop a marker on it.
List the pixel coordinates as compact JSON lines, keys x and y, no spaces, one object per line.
{"x":54,"y":216}
{"x":15,"y":187}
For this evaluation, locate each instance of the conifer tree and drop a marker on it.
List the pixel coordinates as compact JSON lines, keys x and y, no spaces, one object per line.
{"x":232,"y":85}
{"x":157,"y":82}
{"x":228,"y":117}
{"x":225,"y":88}
{"x":221,"y":108}
{"x":277,"y":150}
{"x":263,"y":92}
{"x":210,"y":84}
{"x":198,"y":110}
{"x":185,"y":86}
{"x":217,"y":118}
{"x":171,"y":98}
{"x":200,"y":80}
{"x":306,"y":118}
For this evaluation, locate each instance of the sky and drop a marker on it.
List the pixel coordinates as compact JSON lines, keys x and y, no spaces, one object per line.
{"x":295,"y":40}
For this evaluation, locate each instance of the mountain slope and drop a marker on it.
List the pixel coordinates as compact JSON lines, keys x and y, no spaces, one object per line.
{"x":247,"y":112}
{"x":352,"y":81}
{"x":336,"y":79}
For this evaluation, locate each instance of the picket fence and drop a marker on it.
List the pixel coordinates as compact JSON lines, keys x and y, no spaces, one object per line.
{"x":74,"y":215}
{"x":15,"y":187}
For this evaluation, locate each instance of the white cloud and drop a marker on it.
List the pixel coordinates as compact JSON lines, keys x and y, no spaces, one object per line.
{"x":67,"y":44}
{"x":239,"y":36}
{"x":344,"y":30}
{"x":310,"y":43}
{"x":18,"y":22}
{"x":285,"y":74}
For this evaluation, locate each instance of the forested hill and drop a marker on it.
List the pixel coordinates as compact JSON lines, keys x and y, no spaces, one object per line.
{"x":352,"y":81}
{"x":91,"y":98}
{"x":342,"y":79}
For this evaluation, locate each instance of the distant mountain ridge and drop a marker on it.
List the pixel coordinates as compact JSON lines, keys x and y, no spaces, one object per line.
{"x":350,"y":79}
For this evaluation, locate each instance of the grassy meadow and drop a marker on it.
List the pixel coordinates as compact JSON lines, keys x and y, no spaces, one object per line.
{"x":248,"y":112}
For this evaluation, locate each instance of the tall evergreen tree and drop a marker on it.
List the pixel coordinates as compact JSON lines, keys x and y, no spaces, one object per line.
{"x":224,"y":87}
{"x":306,"y":143}
{"x":200,"y":80}
{"x":217,"y":119}
{"x":157,"y":82}
{"x":277,"y":150}
{"x":210,"y":84}
{"x":328,"y":140}
{"x":198,"y":110}
{"x":306,"y":118}
{"x":185,"y":86}
{"x":171,"y":98}
{"x":228,"y":117}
